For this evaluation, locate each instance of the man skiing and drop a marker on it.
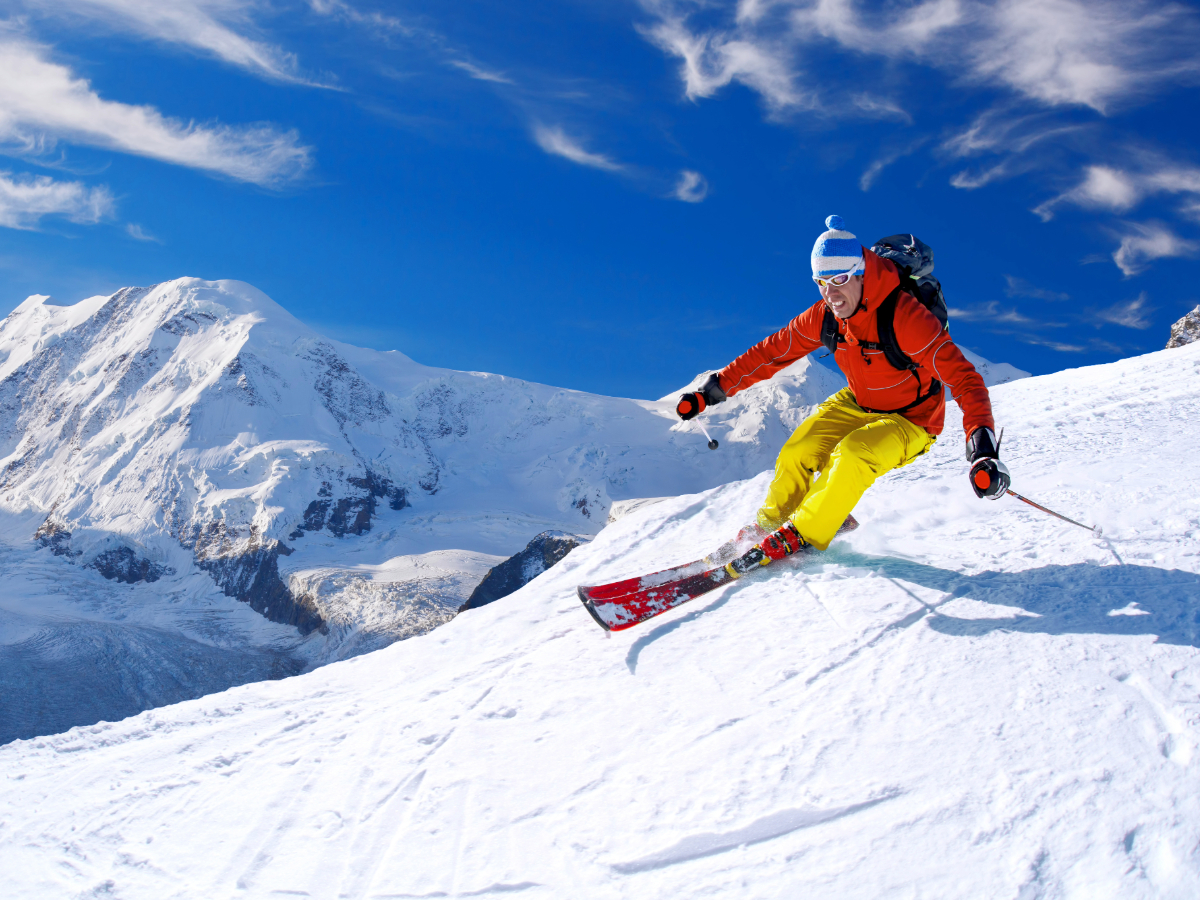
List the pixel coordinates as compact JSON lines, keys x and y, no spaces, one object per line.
{"x":884,"y":419}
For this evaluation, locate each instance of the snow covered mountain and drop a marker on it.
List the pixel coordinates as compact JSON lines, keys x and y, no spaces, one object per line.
{"x":189,"y":456}
{"x":961,"y":699}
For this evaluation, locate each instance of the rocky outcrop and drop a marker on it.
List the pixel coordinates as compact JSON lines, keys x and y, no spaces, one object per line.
{"x":352,"y":514}
{"x":54,"y":536}
{"x":544,"y":551}
{"x":120,"y":563}
{"x":125,"y":566}
{"x":1186,"y":330}
{"x":248,"y":570}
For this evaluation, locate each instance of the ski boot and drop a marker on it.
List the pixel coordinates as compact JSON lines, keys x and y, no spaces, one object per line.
{"x":776,"y":546}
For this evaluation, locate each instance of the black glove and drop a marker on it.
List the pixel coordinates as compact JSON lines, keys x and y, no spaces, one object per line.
{"x":982,"y":445}
{"x":691,"y":405}
{"x":989,"y":477}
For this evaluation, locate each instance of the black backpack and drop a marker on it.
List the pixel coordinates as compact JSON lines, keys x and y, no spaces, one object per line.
{"x":914,"y":260}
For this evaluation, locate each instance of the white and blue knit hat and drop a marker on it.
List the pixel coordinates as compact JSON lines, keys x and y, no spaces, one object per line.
{"x":836,"y":251}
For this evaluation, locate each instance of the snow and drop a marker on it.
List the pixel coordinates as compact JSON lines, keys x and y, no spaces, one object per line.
{"x":960,"y":699}
{"x":993,"y":373}
{"x":200,"y":430}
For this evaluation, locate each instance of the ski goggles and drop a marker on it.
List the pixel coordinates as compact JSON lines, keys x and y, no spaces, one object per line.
{"x":836,"y":280}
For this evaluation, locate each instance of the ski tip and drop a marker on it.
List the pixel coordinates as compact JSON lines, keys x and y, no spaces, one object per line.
{"x":590,"y":607}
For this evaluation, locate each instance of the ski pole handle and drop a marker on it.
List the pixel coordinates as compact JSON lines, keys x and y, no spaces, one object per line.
{"x":1095,"y":530}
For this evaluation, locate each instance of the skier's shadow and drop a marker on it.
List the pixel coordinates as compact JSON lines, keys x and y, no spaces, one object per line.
{"x":1084,"y":598}
{"x":636,"y":648}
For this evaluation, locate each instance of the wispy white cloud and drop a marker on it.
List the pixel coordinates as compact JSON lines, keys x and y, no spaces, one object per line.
{"x":1092,"y":53}
{"x":691,"y":187}
{"x":1019,"y":287}
{"x":1015,"y":142}
{"x":1081,"y":52}
{"x":42,"y":102}
{"x":1134,"y":313}
{"x":1143,"y":243}
{"x":222,"y":28}
{"x":1102,"y":188}
{"x":991,"y":312}
{"x":1191,"y":209}
{"x":479,"y":73}
{"x":24,"y":200}
{"x":556,"y":142}
{"x":875,"y":169}
{"x":908,"y":30}
{"x":881,"y":107}
{"x":339,"y":9}
{"x":1119,"y":190}
{"x":761,"y":59}
{"x":136,"y":232}
{"x":1061,"y":347}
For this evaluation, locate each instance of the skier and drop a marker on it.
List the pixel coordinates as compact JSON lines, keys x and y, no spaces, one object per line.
{"x":884,"y":419}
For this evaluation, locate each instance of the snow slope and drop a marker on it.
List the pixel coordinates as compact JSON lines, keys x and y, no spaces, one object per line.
{"x":224,"y":462}
{"x":961,"y":699}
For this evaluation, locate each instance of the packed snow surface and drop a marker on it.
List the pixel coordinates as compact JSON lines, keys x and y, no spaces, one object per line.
{"x":961,"y":699}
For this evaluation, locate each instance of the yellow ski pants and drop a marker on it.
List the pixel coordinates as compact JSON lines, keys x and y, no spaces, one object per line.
{"x":849,"y":448}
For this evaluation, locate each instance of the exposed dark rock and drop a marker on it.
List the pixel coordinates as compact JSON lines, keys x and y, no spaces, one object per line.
{"x":123,"y":565}
{"x":346,"y":394}
{"x":544,"y":551}
{"x":350,"y":515}
{"x":248,"y":570}
{"x":17,"y":467}
{"x":54,"y":536}
{"x":119,"y":564}
{"x":188,"y":322}
{"x":1186,"y":330}
{"x":314,"y":518}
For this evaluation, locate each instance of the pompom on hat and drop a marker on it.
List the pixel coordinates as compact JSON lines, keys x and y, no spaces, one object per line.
{"x":836,"y":251}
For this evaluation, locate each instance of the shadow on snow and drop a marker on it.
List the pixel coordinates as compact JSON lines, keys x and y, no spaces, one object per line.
{"x":1083,"y":598}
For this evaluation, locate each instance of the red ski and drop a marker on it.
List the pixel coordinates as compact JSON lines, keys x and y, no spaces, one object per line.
{"x":617,"y":612}
{"x":623,"y":604}
{"x":730,"y":550}
{"x":607,"y":592}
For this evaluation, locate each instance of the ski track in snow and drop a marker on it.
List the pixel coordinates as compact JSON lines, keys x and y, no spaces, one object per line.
{"x":961,"y":699}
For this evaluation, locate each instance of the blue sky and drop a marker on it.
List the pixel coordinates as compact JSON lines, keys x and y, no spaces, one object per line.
{"x":610,"y":196}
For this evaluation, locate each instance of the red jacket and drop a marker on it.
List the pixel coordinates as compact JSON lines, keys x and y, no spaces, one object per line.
{"x":875,"y":383}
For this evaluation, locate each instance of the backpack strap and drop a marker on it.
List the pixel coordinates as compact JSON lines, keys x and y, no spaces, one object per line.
{"x":935,"y":388}
{"x":885,"y":318}
{"x":885,"y":321}
{"x":830,"y":335}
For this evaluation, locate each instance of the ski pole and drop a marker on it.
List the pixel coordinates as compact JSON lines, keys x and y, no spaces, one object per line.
{"x":1095,"y":530}
{"x":712,"y":445}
